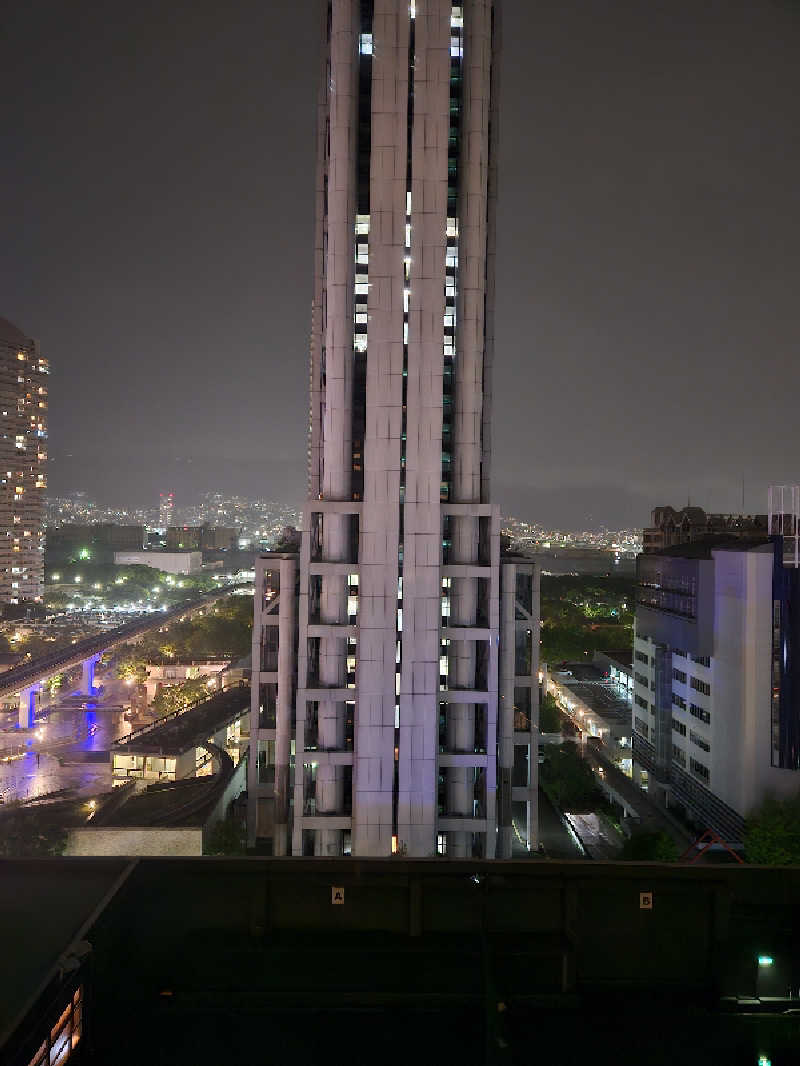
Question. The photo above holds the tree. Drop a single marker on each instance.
(772, 833)
(649, 847)
(225, 838)
(130, 664)
(568, 779)
(177, 697)
(549, 714)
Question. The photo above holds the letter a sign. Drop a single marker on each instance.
(337, 894)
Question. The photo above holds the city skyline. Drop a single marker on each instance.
(667, 263)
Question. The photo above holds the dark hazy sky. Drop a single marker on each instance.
(156, 215)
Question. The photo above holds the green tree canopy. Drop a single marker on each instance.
(225, 838)
(568, 779)
(772, 833)
(649, 847)
(549, 714)
(176, 697)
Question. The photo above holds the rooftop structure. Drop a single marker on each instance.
(691, 525)
(318, 953)
(599, 705)
(174, 747)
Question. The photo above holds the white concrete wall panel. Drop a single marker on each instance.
(419, 685)
(373, 772)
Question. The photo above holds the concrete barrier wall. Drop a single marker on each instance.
(133, 841)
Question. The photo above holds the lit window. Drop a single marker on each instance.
(408, 203)
(455, 47)
(360, 342)
(365, 44)
(412, 9)
(362, 224)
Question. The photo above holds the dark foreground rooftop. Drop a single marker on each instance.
(233, 960)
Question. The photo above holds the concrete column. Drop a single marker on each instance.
(373, 773)
(422, 523)
(87, 676)
(505, 732)
(468, 405)
(336, 447)
(284, 704)
(28, 705)
(332, 674)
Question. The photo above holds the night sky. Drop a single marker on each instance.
(157, 223)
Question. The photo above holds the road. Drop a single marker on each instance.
(652, 818)
(67, 749)
(558, 844)
(597, 841)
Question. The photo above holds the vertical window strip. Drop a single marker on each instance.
(451, 255)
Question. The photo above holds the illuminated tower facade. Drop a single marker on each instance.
(166, 510)
(388, 713)
(23, 455)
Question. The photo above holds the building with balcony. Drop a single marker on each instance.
(716, 699)
(24, 374)
(395, 646)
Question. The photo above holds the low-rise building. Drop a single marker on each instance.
(161, 675)
(170, 562)
(181, 744)
(202, 538)
(597, 705)
(97, 542)
(716, 703)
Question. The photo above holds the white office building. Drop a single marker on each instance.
(716, 702)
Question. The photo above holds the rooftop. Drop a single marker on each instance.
(702, 549)
(597, 692)
(179, 732)
(174, 803)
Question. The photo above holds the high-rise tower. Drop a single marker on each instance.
(23, 454)
(395, 683)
